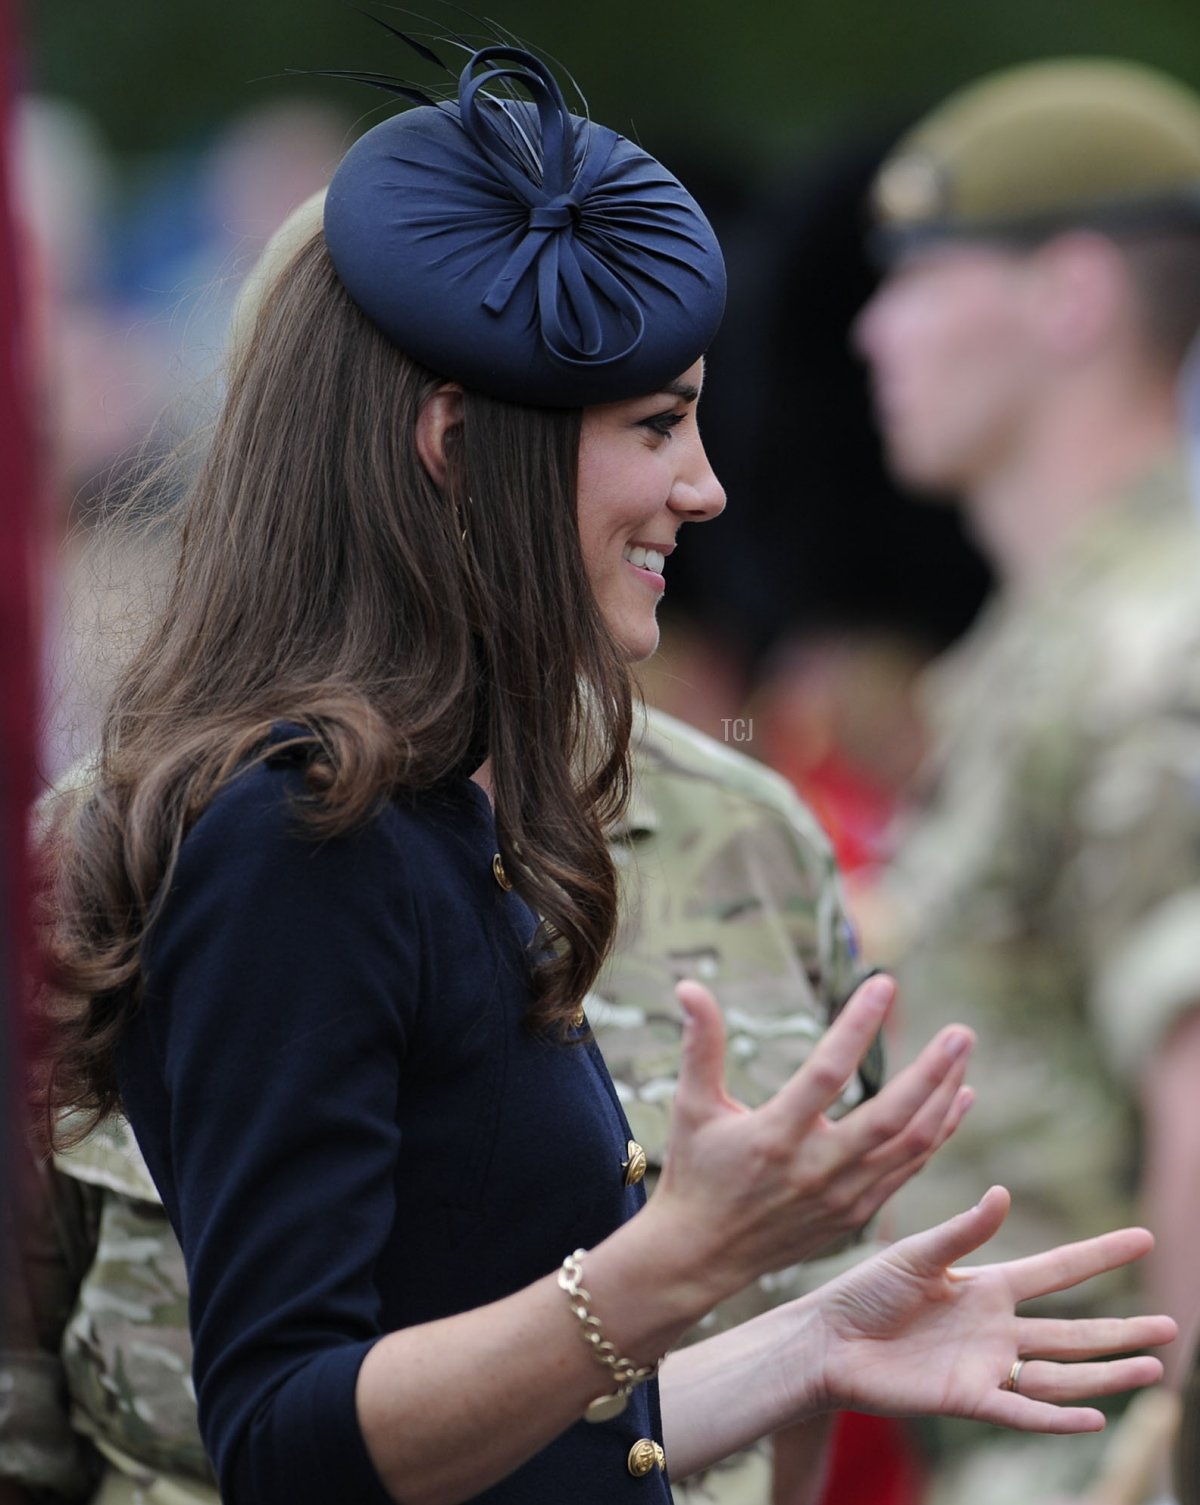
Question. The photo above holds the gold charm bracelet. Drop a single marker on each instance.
(624, 1372)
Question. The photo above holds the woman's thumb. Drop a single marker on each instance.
(702, 1068)
(939, 1248)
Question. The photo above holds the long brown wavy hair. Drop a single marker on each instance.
(322, 578)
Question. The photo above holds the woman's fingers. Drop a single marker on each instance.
(1070, 1264)
(910, 1127)
(883, 1172)
(915, 1101)
(959, 1109)
(1091, 1337)
(1039, 1274)
(877, 1192)
(836, 1055)
(701, 1084)
(1043, 1401)
(1005, 1409)
(1044, 1380)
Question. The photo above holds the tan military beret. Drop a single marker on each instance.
(1038, 148)
(298, 228)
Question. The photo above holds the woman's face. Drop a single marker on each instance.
(642, 473)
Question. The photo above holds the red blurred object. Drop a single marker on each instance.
(853, 808)
(837, 716)
(872, 1462)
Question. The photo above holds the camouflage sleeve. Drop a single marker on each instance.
(43, 1255)
(1137, 874)
(127, 1349)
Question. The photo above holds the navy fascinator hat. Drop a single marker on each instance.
(520, 249)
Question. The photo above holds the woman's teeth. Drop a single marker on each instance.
(646, 559)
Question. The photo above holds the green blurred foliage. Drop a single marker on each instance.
(743, 80)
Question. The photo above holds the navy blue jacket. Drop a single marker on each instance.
(353, 1131)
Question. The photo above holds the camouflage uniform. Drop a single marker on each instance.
(1050, 895)
(727, 878)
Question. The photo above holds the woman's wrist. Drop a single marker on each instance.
(753, 1380)
(624, 1375)
(789, 1356)
(800, 1353)
(649, 1285)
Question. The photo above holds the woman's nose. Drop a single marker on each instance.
(698, 495)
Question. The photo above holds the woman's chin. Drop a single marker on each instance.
(638, 646)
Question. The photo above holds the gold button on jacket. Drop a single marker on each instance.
(644, 1457)
(635, 1165)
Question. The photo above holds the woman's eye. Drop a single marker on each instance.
(662, 423)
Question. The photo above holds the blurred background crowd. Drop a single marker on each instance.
(157, 147)
(154, 149)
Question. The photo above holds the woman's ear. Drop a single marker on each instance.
(440, 413)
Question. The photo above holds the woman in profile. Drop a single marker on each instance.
(328, 915)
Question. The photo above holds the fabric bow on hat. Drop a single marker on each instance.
(565, 265)
(523, 250)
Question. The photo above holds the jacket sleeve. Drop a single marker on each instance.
(262, 1079)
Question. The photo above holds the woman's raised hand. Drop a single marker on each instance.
(907, 1333)
(760, 1190)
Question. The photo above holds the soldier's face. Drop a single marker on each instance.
(953, 366)
(643, 473)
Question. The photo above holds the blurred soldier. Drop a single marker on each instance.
(1042, 236)
(727, 878)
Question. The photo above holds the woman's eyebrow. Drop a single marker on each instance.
(682, 389)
